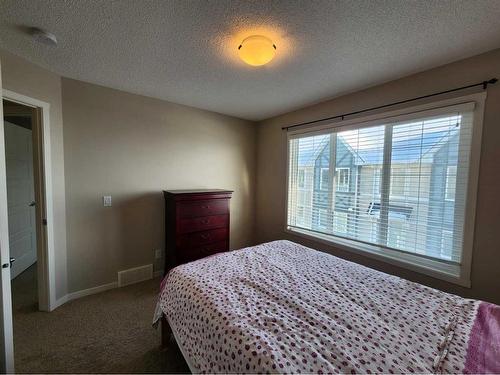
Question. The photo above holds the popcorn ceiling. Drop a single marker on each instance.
(186, 51)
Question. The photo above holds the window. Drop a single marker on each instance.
(302, 178)
(300, 215)
(398, 182)
(451, 181)
(446, 244)
(397, 233)
(343, 179)
(406, 179)
(376, 181)
(340, 222)
(323, 218)
(324, 178)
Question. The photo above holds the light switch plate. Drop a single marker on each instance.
(106, 201)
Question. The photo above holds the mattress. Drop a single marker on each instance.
(282, 307)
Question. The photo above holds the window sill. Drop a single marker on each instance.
(440, 270)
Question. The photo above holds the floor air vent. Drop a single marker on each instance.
(135, 275)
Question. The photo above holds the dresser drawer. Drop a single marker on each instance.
(196, 224)
(193, 253)
(202, 208)
(201, 238)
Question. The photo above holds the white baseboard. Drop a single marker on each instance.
(82, 293)
(87, 292)
(59, 302)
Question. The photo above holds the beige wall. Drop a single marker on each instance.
(132, 147)
(271, 168)
(27, 79)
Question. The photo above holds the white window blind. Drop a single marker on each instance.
(400, 184)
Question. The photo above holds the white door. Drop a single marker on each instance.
(20, 196)
(6, 336)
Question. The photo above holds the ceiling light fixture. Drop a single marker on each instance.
(257, 50)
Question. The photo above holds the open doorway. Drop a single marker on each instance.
(25, 112)
(25, 204)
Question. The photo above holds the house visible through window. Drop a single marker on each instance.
(451, 181)
(323, 218)
(324, 178)
(300, 215)
(396, 184)
(302, 178)
(343, 179)
(376, 181)
(446, 244)
(340, 222)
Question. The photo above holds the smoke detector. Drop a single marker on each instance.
(43, 36)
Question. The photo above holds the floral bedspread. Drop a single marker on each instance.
(282, 307)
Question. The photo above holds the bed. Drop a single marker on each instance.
(282, 307)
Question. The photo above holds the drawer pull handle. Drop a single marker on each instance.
(205, 235)
(206, 206)
(206, 221)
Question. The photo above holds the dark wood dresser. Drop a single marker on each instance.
(197, 224)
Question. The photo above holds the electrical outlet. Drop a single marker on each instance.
(106, 201)
(158, 254)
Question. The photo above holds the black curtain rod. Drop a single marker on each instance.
(484, 84)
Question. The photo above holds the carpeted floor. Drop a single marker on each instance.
(108, 332)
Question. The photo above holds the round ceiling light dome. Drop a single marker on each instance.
(257, 50)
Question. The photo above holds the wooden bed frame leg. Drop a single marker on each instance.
(166, 333)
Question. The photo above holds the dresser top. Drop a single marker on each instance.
(199, 191)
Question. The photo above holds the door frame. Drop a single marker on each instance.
(43, 196)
